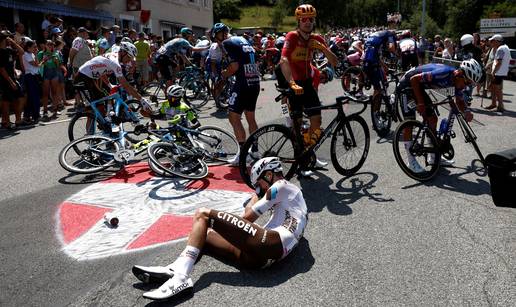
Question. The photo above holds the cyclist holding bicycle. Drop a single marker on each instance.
(100, 67)
(296, 58)
(238, 239)
(173, 54)
(435, 76)
(219, 33)
(374, 68)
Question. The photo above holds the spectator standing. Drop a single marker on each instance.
(132, 35)
(19, 33)
(142, 58)
(31, 80)
(488, 62)
(103, 41)
(10, 51)
(500, 70)
(51, 62)
(61, 74)
(448, 51)
(115, 31)
(80, 53)
(46, 22)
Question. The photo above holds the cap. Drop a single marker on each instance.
(83, 29)
(55, 30)
(496, 37)
(6, 33)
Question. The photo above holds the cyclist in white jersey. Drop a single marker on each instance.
(237, 238)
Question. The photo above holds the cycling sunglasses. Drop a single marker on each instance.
(307, 19)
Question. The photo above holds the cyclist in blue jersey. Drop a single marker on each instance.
(244, 94)
(374, 67)
(435, 76)
(170, 54)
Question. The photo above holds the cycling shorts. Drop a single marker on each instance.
(258, 245)
(375, 74)
(309, 99)
(92, 90)
(409, 59)
(164, 63)
(243, 98)
(408, 102)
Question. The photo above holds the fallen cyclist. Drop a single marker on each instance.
(237, 238)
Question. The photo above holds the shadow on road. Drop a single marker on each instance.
(86, 179)
(454, 182)
(506, 113)
(318, 193)
(299, 261)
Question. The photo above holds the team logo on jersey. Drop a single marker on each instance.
(152, 211)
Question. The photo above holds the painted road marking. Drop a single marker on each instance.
(152, 211)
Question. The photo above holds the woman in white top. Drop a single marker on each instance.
(31, 81)
(448, 52)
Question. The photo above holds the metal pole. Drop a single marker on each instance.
(398, 6)
(423, 13)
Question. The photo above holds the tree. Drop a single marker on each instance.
(414, 24)
(227, 9)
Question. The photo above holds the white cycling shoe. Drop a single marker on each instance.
(172, 287)
(306, 173)
(320, 163)
(235, 160)
(414, 166)
(444, 162)
(152, 274)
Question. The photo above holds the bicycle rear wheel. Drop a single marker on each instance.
(220, 144)
(350, 145)
(83, 124)
(197, 93)
(420, 147)
(177, 160)
(89, 154)
(352, 80)
(268, 141)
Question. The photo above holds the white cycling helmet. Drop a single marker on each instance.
(472, 70)
(175, 91)
(129, 48)
(466, 39)
(266, 164)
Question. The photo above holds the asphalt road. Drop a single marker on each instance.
(375, 239)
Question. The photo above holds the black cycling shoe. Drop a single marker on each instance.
(152, 274)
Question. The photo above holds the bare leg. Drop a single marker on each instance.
(251, 121)
(238, 128)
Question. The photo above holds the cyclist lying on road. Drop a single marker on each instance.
(238, 239)
(172, 108)
(435, 76)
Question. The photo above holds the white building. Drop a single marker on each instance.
(167, 17)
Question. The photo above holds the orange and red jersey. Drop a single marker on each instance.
(299, 55)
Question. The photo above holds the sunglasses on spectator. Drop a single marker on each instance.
(307, 19)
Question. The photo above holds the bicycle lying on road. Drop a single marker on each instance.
(349, 141)
(427, 147)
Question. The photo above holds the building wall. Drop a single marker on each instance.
(166, 15)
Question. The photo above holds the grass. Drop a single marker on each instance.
(260, 16)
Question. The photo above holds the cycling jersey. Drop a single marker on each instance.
(175, 46)
(288, 216)
(215, 53)
(299, 55)
(102, 65)
(407, 45)
(433, 76)
(374, 43)
(173, 114)
(202, 44)
(238, 50)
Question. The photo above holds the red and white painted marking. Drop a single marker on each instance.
(152, 210)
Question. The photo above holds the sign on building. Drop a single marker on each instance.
(504, 26)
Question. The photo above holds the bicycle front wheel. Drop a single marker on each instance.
(350, 145)
(177, 160)
(155, 92)
(89, 154)
(268, 141)
(352, 80)
(197, 93)
(416, 150)
(381, 116)
(220, 144)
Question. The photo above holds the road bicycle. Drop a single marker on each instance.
(427, 147)
(185, 152)
(349, 141)
(354, 81)
(103, 116)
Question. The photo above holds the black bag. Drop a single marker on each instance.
(501, 167)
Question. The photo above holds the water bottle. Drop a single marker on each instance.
(443, 126)
(392, 99)
(111, 219)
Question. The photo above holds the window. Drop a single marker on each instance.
(206, 3)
